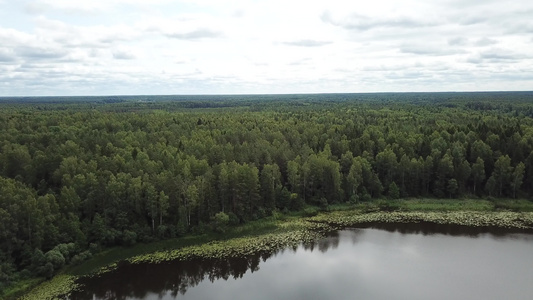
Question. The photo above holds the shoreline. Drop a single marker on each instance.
(290, 233)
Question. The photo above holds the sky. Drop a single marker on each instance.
(128, 47)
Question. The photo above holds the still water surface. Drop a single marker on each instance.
(400, 262)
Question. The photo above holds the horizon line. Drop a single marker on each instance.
(268, 94)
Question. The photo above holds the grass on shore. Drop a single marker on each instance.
(111, 255)
(427, 204)
(17, 289)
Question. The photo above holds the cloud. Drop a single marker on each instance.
(400, 66)
(26, 47)
(307, 43)
(6, 55)
(457, 41)
(299, 62)
(197, 34)
(360, 22)
(485, 42)
(428, 49)
(11, 37)
(502, 54)
(517, 76)
(94, 36)
(102, 46)
(68, 6)
(36, 8)
(474, 60)
(462, 41)
(519, 27)
(239, 13)
(40, 53)
(472, 20)
(86, 8)
(124, 54)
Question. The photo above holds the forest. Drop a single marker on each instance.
(80, 174)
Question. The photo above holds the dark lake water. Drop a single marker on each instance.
(379, 262)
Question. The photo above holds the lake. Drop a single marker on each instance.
(396, 261)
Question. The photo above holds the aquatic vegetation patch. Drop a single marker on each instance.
(58, 287)
(512, 220)
(237, 247)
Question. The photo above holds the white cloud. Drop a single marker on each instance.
(123, 54)
(458, 41)
(70, 7)
(200, 33)
(485, 42)
(307, 43)
(504, 54)
(357, 21)
(430, 50)
(243, 46)
(7, 55)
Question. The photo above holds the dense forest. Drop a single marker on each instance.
(81, 173)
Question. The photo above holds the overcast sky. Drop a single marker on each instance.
(118, 47)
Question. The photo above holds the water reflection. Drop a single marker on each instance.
(172, 278)
(428, 228)
(392, 261)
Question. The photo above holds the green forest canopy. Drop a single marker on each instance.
(79, 173)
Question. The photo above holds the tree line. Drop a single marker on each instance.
(75, 177)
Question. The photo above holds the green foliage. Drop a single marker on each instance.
(6, 272)
(310, 212)
(517, 177)
(384, 205)
(467, 218)
(233, 219)
(394, 191)
(296, 202)
(13, 291)
(47, 270)
(502, 173)
(81, 257)
(277, 215)
(129, 237)
(66, 250)
(57, 288)
(78, 175)
(452, 187)
(220, 222)
(252, 238)
(55, 258)
(478, 172)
